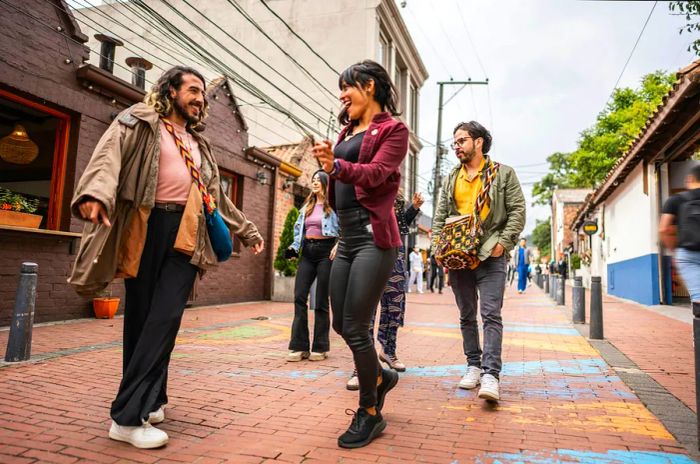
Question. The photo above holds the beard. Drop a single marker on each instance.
(177, 106)
(467, 156)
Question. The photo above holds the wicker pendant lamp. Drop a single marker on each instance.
(17, 148)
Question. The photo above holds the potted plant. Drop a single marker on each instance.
(104, 305)
(16, 210)
(283, 283)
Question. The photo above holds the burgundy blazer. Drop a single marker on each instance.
(376, 175)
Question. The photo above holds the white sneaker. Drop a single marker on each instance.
(145, 436)
(471, 379)
(156, 417)
(313, 356)
(489, 388)
(295, 356)
(354, 382)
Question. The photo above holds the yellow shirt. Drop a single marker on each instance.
(466, 191)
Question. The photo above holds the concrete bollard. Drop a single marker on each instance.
(579, 301)
(596, 327)
(561, 289)
(546, 284)
(19, 343)
(553, 288)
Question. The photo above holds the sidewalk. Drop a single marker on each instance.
(233, 398)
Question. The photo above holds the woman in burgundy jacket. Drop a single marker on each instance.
(364, 169)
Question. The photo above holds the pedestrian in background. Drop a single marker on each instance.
(521, 263)
(503, 217)
(148, 227)
(415, 260)
(679, 230)
(315, 233)
(437, 272)
(365, 178)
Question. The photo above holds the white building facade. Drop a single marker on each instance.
(625, 251)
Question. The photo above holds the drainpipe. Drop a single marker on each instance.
(271, 235)
(107, 51)
(661, 250)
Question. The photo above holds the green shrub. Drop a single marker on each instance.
(575, 261)
(287, 267)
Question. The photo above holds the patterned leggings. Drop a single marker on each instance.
(393, 306)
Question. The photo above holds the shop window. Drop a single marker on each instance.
(230, 186)
(33, 146)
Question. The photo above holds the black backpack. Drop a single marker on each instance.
(689, 222)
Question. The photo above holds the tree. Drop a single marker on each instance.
(602, 144)
(691, 10)
(542, 236)
(287, 267)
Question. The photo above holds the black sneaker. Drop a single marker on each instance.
(389, 380)
(363, 429)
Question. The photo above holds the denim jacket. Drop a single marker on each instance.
(329, 227)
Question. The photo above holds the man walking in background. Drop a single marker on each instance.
(679, 229)
(503, 216)
(521, 263)
(415, 260)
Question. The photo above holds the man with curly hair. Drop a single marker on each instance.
(145, 224)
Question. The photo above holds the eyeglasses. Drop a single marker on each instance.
(459, 142)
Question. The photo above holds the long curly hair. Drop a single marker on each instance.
(159, 96)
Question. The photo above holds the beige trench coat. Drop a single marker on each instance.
(122, 174)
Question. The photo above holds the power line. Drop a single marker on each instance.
(427, 38)
(469, 37)
(299, 37)
(141, 3)
(631, 53)
(279, 47)
(111, 19)
(195, 47)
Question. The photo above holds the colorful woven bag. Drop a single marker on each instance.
(460, 238)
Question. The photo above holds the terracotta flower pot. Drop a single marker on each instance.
(105, 308)
(16, 219)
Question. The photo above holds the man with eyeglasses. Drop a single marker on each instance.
(503, 219)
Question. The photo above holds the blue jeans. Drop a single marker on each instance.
(688, 265)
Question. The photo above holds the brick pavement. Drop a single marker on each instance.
(660, 345)
(233, 398)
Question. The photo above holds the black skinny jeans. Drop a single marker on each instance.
(358, 276)
(314, 263)
(155, 302)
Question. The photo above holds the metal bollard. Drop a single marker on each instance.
(578, 294)
(561, 289)
(696, 344)
(553, 288)
(546, 283)
(596, 328)
(19, 343)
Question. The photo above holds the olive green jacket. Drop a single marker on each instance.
(506, 219)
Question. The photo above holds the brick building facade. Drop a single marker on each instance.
(565, 206)
(66, 105)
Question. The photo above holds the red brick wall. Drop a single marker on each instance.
(32, 65)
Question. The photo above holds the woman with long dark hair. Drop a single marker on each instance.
(365, 178)
(315, 233)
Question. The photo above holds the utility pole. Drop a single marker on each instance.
(439, 149)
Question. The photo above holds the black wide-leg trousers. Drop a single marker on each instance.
(155, 302)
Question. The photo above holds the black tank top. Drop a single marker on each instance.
(348, 150)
